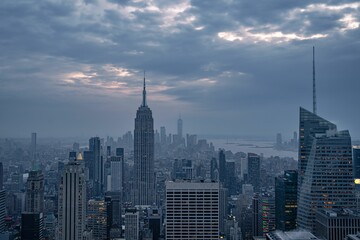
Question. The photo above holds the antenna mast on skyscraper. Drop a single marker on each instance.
(314, 84)
(144, 93)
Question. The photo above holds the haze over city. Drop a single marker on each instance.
(75, 68)
(178, 120)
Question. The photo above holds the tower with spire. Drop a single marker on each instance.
(144, 191)
(314, 83)
(180, 128)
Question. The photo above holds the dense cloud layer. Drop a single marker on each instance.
(74, 67)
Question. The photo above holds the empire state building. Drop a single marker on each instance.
(144, 154)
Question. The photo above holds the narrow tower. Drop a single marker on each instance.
(144, 154)
(180, 128)
(72, 201)
(314, 83)
(144, 94)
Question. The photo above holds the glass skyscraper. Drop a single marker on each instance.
(325, 168)
(356, 162)
(286, 200)
(254, 171)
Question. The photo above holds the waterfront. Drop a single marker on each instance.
(254, 146)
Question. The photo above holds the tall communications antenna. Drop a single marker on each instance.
(314, 84)
(144, 93)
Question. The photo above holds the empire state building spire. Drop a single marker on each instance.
(144, 189)
(314, 83)
(144, 94)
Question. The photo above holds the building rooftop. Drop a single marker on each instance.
(333, 213)
(291, 235)
(191, 185)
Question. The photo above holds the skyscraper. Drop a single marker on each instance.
(214, 172)
(32, 226)
(255, 215)
(182, 169)
(97, 218)
(72, 202)
(254, 171)
(132, 224)
(267, 213)
(230, 179)
(144, 154)
(286, 200)
(180, 128)
(309, 125)
(222, 166)
(32, 219)
(326, 171)
(113, 212)
(34, 198)
(356, 162)
(163, 136)
(1, 176)
(2, 210)
(98, 170)
(117, 173)
(192, 210)
(334, 224)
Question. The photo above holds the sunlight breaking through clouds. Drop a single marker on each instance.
(325, 7)
(99, 81)
(276, 33)
(202, 82)
(118, 71)
(349, 22)
(272, 37)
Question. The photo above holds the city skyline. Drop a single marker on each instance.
(248, 64)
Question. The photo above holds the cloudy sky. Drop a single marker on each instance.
(236, 67)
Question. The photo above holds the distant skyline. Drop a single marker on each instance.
(75, 68)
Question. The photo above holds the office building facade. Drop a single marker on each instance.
(34, 195)
(32, 226)
(132, 224)
(192, 210)
(97, 166)
(254, 171)
(286, 200)
(117, 173)
(97, 218)
(334, 224)
(72, 202)
(325, 169)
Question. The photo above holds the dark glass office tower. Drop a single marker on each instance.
(286, 200)
(326, 170)
(32, 226)
(98, 167)
(1, 176)
(144, 154)
(356, 162)
(254, 171)
(222, 166)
